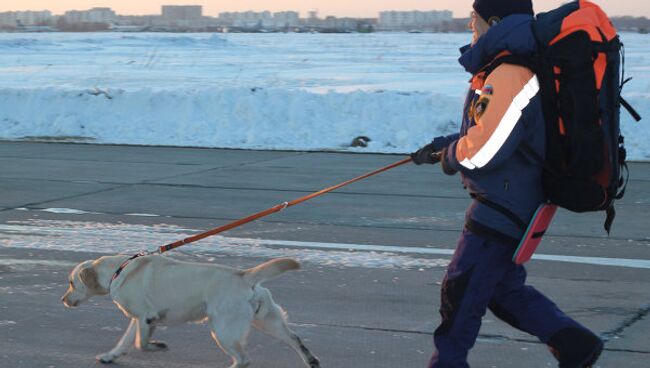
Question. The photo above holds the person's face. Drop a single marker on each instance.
(477, 25)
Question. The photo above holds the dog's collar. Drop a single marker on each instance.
(123, 266)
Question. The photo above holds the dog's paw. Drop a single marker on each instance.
(245, 364)
(314, 363)
(156, 346)
(105, 358)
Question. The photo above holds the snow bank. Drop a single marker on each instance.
(253, 118)
(231, 117)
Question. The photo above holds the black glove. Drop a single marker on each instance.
(425, 155)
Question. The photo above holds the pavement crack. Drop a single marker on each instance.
(368, 328)
(199, 186)
(416, 332)
(36, 204)
(98, 160)
(218, 168)
(628, 322)
(485, 337)
(126, 185)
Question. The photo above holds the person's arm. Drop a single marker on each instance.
(499, 127)
(444, 141)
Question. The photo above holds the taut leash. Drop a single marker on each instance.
(276, 208)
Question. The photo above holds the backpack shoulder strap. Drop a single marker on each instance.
(525, 61)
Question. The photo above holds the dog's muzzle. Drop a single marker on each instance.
(68, 304)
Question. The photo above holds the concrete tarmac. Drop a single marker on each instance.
(64, 203)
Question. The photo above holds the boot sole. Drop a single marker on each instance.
(589, 362)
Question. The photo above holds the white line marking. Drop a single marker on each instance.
(598, 261)
(358, 247)
(67, 211)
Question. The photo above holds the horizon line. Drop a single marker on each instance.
(279, 11)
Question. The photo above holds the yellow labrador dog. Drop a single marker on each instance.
(155, 290)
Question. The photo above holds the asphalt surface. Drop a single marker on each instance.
(374, 314)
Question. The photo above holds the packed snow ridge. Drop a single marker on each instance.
(230, 118)
(253, 91)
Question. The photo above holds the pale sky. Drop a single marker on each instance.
(368, 8)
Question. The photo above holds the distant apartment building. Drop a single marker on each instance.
(341, 24)
(247, 19)
(265, 19)
(286, 19)
(94, 15)
(420, 20)
(182, 12)
(25, 18)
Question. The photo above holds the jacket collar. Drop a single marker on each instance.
(513, 34)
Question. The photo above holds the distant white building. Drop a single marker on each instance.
(247, 19)
(405, 20)
(94, 15)
(343, 24)
(182, 12)
(26, 18)
(286, 19)
(265, 19)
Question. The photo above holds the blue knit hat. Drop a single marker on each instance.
(493, 11)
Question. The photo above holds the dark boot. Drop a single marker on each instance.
(575, 347)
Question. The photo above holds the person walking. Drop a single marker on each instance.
(502, 111)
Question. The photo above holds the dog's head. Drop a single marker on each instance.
(83, 284)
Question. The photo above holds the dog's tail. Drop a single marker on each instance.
(269, 270)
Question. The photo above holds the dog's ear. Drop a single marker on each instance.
(89, 277)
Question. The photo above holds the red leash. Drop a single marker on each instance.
(276, 208)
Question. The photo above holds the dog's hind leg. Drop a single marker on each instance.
(230, 330)
(145, 329)
(120, 349)
(271, 319)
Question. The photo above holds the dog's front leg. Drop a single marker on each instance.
(144, 331)
(120, 349)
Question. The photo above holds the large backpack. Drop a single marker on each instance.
(580, 66)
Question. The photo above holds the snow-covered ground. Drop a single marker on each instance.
(267, 91)
(99, 237)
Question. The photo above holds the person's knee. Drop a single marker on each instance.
(452, 294)
(504, 314)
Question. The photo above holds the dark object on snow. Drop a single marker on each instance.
(361, 141)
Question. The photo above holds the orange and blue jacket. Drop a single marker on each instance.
(502, 110)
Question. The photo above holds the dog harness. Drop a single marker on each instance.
(123, 266)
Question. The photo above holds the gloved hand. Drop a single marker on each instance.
(426, 155)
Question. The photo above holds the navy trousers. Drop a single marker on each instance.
(482, 275)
